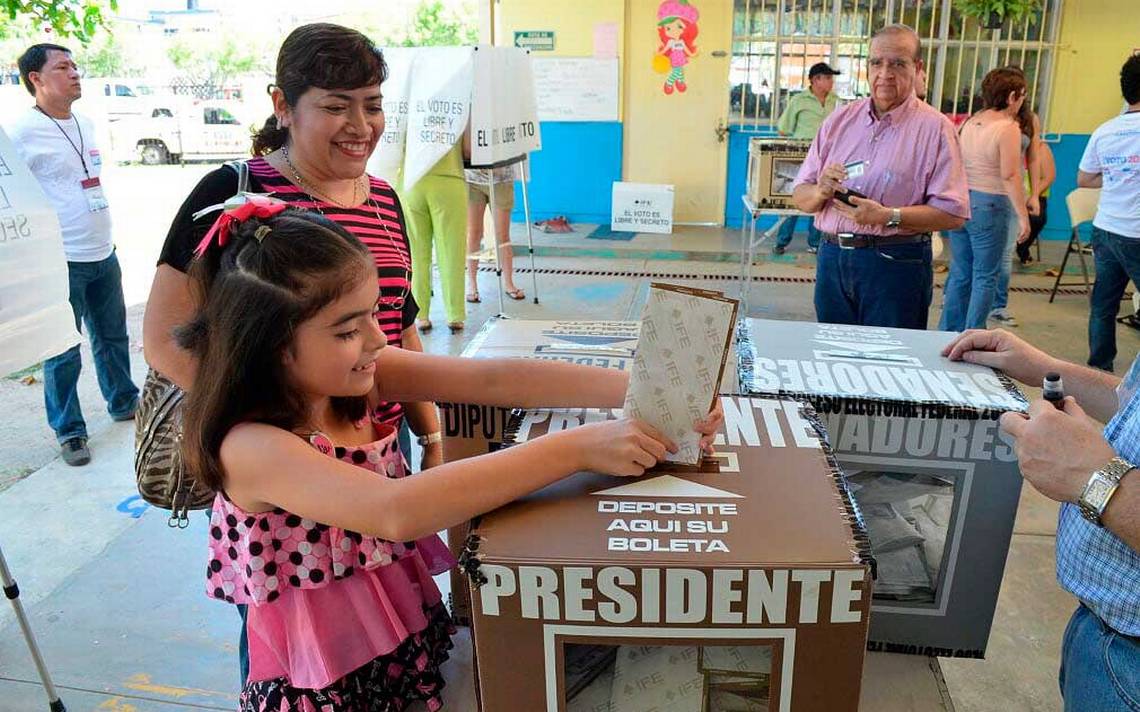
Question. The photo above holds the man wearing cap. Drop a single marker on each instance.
(801, 120)
(882, 174)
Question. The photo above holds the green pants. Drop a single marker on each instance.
(436, 209)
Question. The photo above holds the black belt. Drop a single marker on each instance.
(853, 240)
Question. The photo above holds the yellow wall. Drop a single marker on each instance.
(572, 23)
(1096, 37)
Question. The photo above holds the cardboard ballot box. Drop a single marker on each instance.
(744, 585)
(935, 480)
(773, 164)
(471, 430)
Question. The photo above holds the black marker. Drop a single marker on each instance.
(1053, 390)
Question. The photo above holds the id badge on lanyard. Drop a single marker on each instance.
(93, 191)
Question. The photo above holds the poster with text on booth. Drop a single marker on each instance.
(679, 363)
(36, 320)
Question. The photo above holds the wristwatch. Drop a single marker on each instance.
(896, 218)
(1101, 486)
(430, 439)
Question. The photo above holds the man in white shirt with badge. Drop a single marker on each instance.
(1112, 163)
(60, 150)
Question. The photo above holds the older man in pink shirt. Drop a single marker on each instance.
(883, 173)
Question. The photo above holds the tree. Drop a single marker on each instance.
(209, 66)
(107, 57)
(432, 25)
(80, 19)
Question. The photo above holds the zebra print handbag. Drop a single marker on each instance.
(159, 469)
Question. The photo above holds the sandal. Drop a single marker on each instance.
(516, 294)
(424, 325)
(473, 297)
(455, 326)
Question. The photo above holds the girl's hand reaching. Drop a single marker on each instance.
(626, 448)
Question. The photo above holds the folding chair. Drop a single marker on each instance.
(1082, 204)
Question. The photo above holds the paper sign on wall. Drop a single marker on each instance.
(606, 40)
(36, 320)
(576, 88)
(538, 40)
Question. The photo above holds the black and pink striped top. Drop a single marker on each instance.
(378, 223)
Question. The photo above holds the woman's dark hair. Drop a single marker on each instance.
(1025, 113)
(254, 293)
(999, 83)
(325, 56)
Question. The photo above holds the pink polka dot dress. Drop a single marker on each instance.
(337, 620)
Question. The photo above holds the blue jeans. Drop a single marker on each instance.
(96, 295)
(788, 229)
(1001, 295)
(1100, 668)
(976, 251)
(404, 438)
(243, 645)
(874, 286)
(1117, 260)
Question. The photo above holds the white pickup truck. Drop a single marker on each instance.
(202, 130)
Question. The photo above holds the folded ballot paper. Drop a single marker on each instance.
(646, 678)
(680, 359)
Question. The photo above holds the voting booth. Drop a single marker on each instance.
(743, 586)
(935, 479)
(36, 319)
(434, 94)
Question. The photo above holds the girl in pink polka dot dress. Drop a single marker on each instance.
(315, 525)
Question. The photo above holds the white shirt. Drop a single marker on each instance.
(1114, 151)
(56, 164)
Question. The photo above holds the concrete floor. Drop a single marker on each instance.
(116, 597)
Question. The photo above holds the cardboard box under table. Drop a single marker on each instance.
(471, 430)
(935, 480)
(743, 584)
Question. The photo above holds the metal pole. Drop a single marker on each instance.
(529, 234)
(498, 245)
(12, 592)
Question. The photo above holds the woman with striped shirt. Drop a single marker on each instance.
(327, 119)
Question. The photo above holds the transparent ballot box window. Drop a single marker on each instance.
(910, 521)
(666, 678)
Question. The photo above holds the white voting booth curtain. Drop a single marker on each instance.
(36, 321)
(432, 92)
(504, 116)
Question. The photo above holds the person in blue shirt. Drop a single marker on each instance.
(1069, 457)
